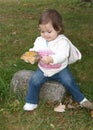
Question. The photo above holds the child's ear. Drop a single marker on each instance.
(59, 30)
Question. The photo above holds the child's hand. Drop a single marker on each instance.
(47, 59)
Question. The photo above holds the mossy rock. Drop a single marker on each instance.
(51, 91)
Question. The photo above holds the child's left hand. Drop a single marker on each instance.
(47, 59)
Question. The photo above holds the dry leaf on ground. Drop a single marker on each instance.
(60, 108)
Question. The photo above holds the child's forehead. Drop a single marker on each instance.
(47, 25)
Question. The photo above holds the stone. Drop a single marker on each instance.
(50, 91)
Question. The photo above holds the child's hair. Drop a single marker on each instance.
(51, 15)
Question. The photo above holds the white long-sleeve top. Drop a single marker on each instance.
(58, 49)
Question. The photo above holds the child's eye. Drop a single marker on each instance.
(42, 31)
(49, 31)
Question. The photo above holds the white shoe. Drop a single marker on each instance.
(87, 104)
(29, 107)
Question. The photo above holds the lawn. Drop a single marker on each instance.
(18, 30)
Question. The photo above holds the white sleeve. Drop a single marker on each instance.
(61, 52)
(35, 47)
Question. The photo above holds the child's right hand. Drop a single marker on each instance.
(47, 59)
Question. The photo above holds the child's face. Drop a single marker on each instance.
(47, 31)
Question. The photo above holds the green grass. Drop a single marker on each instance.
(18, 30)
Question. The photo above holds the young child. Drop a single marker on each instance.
(53, 64)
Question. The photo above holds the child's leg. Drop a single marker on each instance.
(35, 84)
(67, 80)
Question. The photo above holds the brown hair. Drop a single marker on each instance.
(51, 15)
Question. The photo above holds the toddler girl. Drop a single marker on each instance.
(53, 49)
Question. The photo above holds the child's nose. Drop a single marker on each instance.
(45, 33)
